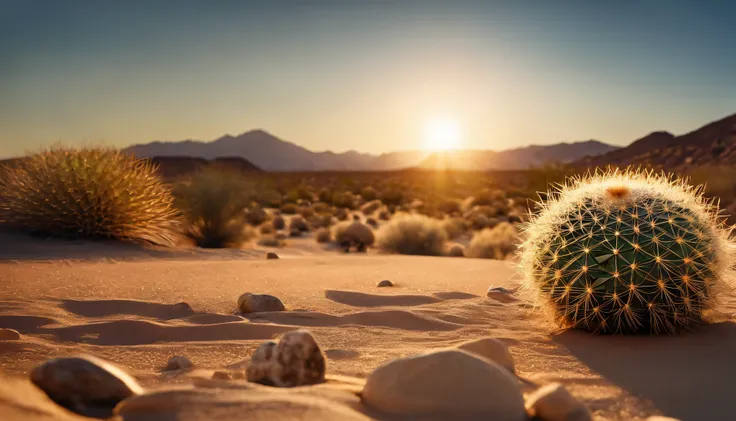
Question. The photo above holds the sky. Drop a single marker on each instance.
(366, 75)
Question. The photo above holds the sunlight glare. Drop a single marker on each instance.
(441, 134)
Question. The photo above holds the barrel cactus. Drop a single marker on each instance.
(627, 252)
(97, 193)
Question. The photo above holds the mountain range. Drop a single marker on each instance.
(273, 154)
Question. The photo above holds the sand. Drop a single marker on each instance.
(138, 307)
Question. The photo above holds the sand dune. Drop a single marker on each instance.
(140, 312)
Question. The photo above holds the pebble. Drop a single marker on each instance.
(178, 362)
(450, 382)
(81, 382)
(296, 360)
(492, 349)
(501, 294)
(254, 303)
(9, 334)
(385, 283)
(553, 402)
(271, 256)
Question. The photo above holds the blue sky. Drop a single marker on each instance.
(364, 75)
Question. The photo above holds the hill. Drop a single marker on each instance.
(513, 159)
(712, 144)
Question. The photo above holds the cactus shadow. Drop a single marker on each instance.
(690, 376)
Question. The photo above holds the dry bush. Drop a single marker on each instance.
(496, 243)
(323, 235)
(322, 208)
(266, 229)
(371, 207)
(455, 250)
(298, 223)
(295, 232)
(213, 204)
(341, 214)
(271, 240)
(89, 192)
(450, 206)
(372, 223)
(369, 193)
(384, 215)
(412, 234)
(455, 227)
(289, 209)
(306, 212)
(256, 216)
(353, 234)
(320, 221)
(278, 222)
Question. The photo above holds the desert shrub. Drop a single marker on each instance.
(372, 223)
(256, 216)
(306, 212)
(298, 223)
(295, 232)
(271, 240)
(450, 206)
(392, 197)
(384, 215)
(412, 234)
(289, 208)
(320, 221)
(350, 234)
(455, 227)
(341, 214)
(368, 194)
(371, 207)
(323, 235)
(325, 196)
(495, 243)
(266, 229)
(343, 200)
(456, 250)
(89, 192)
(213, 204)
(321, 208)
(278, 222)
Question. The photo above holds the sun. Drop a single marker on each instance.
(441, 134)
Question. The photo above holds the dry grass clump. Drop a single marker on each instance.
(297, 223)
(341, 214)
(371, 207)
(278, 222)
(256, 216)
(496, 243)
(455, 227)
(212, 204)
(412, 234)
(289, 208)
(306, 211)
(320, 221)
(323, 235)
(455, 250)
(89, 193)
(384, 215)
(271, 240)
(355, 234)
(266, 229)
(372, 222)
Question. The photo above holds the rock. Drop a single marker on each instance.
(497, 289)
(553, 402)
(501, 294)
(449, 382)
(296, 360)
(492, 349)
(9, 334)
(254, 303)
(84, 382)
(178, 362)
(271, 256)
(385, 283)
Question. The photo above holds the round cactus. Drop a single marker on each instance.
(89, 192)
(626, 252)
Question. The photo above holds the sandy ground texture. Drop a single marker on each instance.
(136, 308)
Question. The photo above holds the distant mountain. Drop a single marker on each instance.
(273, 154)
(514, 159)
(712, 144)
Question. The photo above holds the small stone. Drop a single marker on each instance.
(83, 382)
(255, 303)
(9, 334)
(451, 383)
(385, 283)
(178, 362)
(492, 349)
(271, 256)
(296, 360)
(501, 294)
(553, 402)
(497, 289)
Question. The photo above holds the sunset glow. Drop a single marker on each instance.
(441, 134)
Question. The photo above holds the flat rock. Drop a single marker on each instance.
(84, 382)
(553, 402)
(254, 303)
(271, 256)
(449, 382)
(9, 334)
(178, 362)
(492, 349)
(296, 360)
(384, 283)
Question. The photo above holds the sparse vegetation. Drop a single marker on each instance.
(494, 243)
(412, 234)
(297, 223)
(95, 193)
(278, 222)
(456, 250)
(371, 207)
(323, 235)
(353, 234)
(271, 240)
